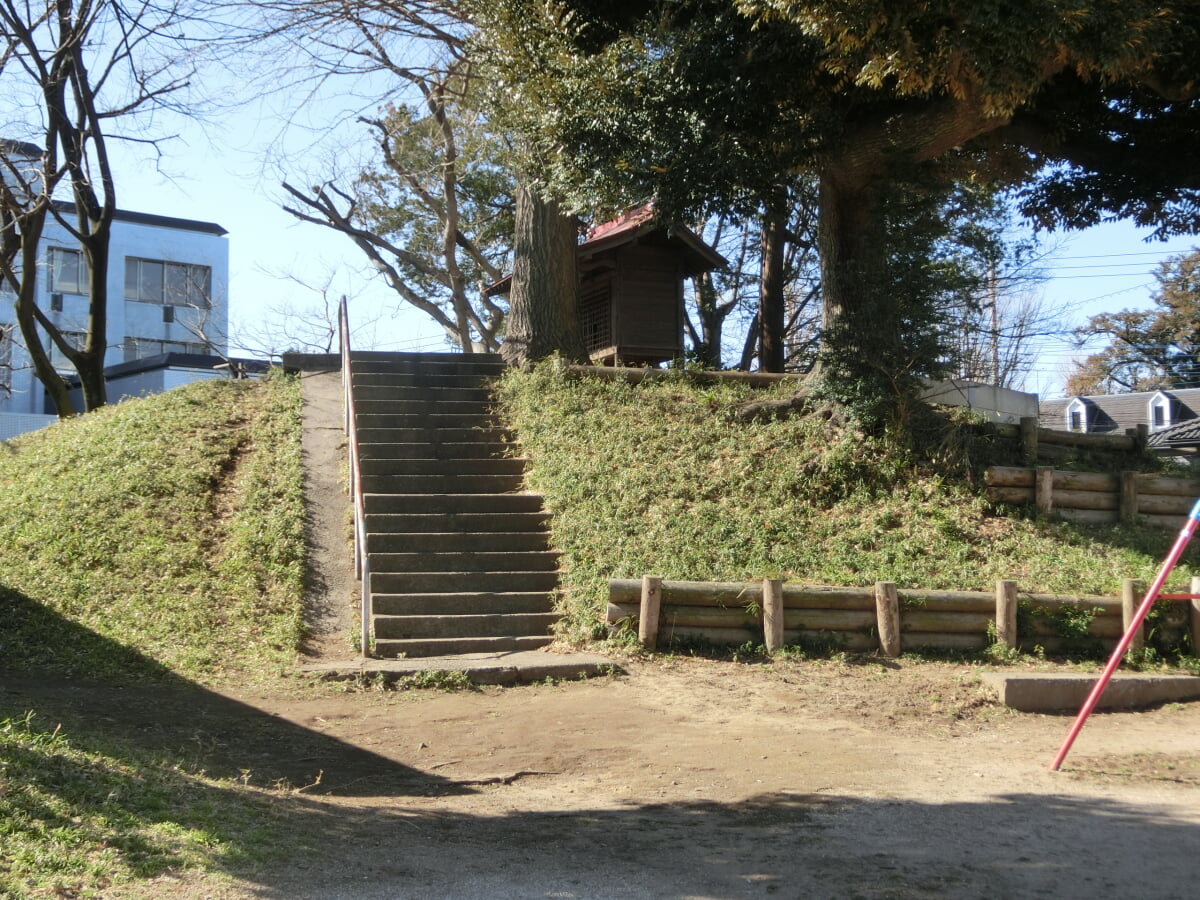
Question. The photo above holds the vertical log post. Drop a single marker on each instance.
(1129, 496)
(648, 613)
(1131, 599)
(1141, 437)
(1195, 616)
(1006, 614)
(887, 615)
(772, 607)
(1029, 439)
(1044, 489)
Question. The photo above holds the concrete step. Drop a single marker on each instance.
(442, 450)
(449, 542)
(372, 391)
(462, 582)
(385, 524)
(464, 626)
(392, 649)
(464, 561)
(462, 604)
(423, 356)
(510, 465)
(442, 484)
(375, 421)
(424, 405)
(447, 365)
(417, 380)
(492, 436)
(425, 504)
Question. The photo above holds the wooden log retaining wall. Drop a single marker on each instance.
(1052, 444)
(886, 619)
(1096, 497)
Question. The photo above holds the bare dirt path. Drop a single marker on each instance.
(697, 779)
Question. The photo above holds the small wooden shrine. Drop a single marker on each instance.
(631, 274)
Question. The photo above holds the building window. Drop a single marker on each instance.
(1160, 412)
(1077, 417)
(173, 284)
(58, 359)
(143, 348)
(68, 271)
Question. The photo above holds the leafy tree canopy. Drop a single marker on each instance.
(1148, 349)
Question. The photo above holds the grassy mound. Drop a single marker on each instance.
(660, 478)
(161, 534)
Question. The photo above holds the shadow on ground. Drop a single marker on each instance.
(811, 846)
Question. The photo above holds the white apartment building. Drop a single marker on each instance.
(168, 293)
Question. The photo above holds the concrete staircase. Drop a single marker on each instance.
(459, 559)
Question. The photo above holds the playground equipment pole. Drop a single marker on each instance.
(1185, 535)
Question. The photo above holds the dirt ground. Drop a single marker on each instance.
(684, 779)
(691, 778)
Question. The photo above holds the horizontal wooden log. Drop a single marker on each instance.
(1161, 484)
(949, 601)
(1167, 523)
(851, 641)
(1054, 453)
(1008, 494)
(696, 593)
(1055, 646)
(1087, 441)
(1101, 627)
(931, 640)
(1008, 476)
(742, 594)
(708, 616)
(1165, 505)
(1110, 606)
(640, 374)
(828, 619)
(1086, 500)
(679, 616)
(720, 636)
(1088, 516)
(912, 621)
(1014, 476)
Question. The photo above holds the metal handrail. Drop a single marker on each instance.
(362, 566)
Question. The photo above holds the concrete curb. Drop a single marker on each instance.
(1066, 692)
(521, 667)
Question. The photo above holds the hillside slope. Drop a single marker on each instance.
(660, 478)
(160, 533)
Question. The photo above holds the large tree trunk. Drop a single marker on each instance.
(543, 315)
(711, 317)
(90, 363)
(771, 314)
(854, 320)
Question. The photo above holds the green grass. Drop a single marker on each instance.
(82, 819)
(156, 543)
(171, 524)
(660, 479)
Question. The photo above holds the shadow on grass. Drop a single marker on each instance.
(46, 664)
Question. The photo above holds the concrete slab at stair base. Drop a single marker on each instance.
(1055, 692)
(506, 667)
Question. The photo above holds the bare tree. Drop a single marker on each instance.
(74, 68)
(305, 328)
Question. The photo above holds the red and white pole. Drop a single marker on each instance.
(1181, 542)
